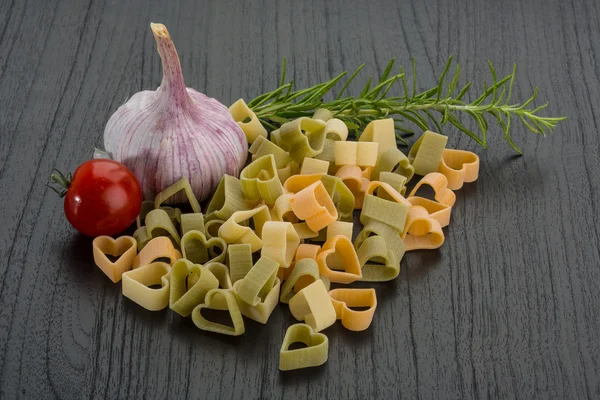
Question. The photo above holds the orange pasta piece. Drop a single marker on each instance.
(313, 205)
(296, 183)
(354, 320)
(124, 247)
(352, 176)
(422, 231)
(459, 166)
(342, 248)
(439, 183)
(159, 247)
(437, 211)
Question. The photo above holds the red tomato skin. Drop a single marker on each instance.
(104, 198)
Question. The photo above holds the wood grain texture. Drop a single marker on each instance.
(508, 308)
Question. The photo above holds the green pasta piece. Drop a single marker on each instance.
(196, 248)
(262, 146)
(211, 228)
(182, 184)
(385, 211)
(378, 263)
(142, 237)
(239, 260)
(328, 154)
(303, 137)
(341, 195)
(174, 214)
(221, 272)
(220, 297)
(275, 137)
(393, 160)
(189, 285)
(396, 181)
(192, 222)
(147, 206)
(227, 199)
(315, 354)
(425, 155)
(260, 180)
(158, 223)
(258, 282)
(305, 272)
(391, 235)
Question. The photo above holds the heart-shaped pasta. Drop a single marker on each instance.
(124, 247)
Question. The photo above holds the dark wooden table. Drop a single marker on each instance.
(509, 307)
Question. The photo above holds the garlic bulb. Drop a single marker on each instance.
(175, 131)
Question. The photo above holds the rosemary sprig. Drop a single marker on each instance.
(437, 106)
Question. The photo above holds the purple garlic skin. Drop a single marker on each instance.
(175, 131)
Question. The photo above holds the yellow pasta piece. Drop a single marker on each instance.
(381, 131)
(340, 228)
(160, 247)
(437, 211)
(232, 232)
(137, 284)
(159, 224)
(305, 272)
(280, 242)
(378, 262)
(240, 260)
(220, 297)
(313, 306)
(227, 199)
(303, 137)
(258, 282)
(212, 228)
(354, 320)
(422, 231)
(282, 210)
(396, 181)
(459, 166)
(363, 154)
(192, 222)
(221, 272)
(263, 310)
(247, 121)
(274, 137)
(189, 285)
(172, 192)
(425, 155)
(353, 178)
(260, 180)
(336, 129)
(124, 247)
(341, 247)
(439, 183)
(200, 250)
(315, 354)
(314, 166)
(262, 146)
(393, 160)
(313, 205)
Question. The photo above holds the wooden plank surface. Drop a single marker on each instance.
(508, 308)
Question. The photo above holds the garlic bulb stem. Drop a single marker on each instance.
(173, 84)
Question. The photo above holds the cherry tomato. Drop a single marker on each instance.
(102, 198)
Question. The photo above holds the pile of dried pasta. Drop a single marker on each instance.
(283, 231)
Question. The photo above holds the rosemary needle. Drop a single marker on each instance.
(437, 106)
